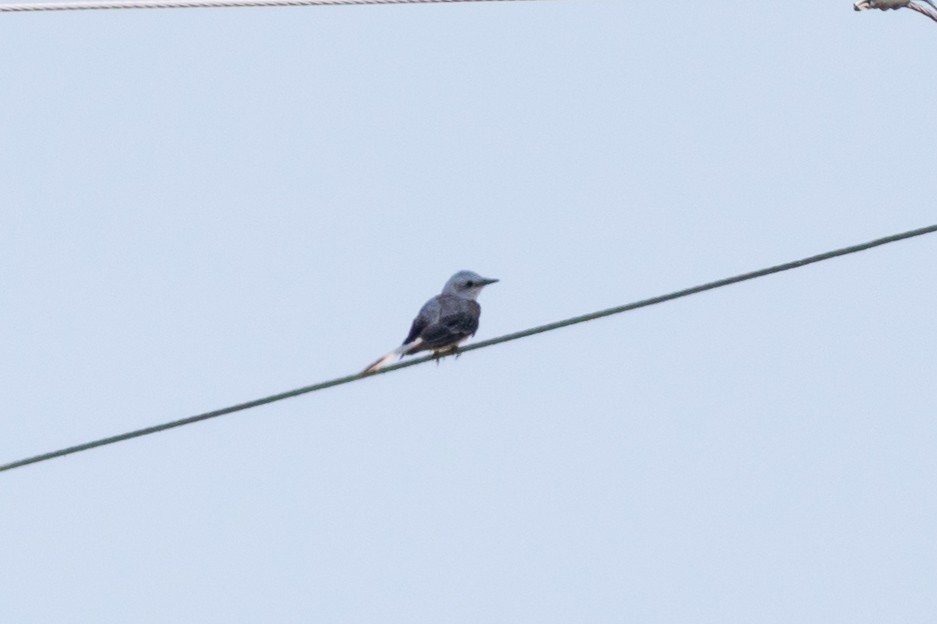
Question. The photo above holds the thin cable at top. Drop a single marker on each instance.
(778, 268)
(89, 5)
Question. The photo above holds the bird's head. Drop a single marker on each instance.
(466, 284)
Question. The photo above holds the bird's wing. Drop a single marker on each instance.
(458, 319)
(428, 315)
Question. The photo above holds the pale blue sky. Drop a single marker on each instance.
(203, 207)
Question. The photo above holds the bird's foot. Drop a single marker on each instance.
(441, 353)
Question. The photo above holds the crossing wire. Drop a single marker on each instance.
(787, 266)
(89, 5)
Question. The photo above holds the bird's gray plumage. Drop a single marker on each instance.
(444, 321)
(928, 8)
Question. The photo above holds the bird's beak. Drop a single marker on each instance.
(488, 280)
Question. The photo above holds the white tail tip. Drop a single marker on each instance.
(384, 360)
(380, 363)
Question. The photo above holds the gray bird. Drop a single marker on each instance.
(444, 321)
(928, 8)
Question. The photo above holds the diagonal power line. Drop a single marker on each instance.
(89, 5)
(787, 266)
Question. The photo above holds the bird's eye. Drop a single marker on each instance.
(470, 283)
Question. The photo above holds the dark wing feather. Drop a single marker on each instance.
(428, 315)
(450, 330)
(444, 322)
(419, 324)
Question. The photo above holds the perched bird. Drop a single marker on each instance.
(925, 7)
(444, 321)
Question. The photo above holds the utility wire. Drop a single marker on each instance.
(796, 264)
(88, 5)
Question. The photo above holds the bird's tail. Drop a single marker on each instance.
(387, 358)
